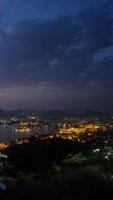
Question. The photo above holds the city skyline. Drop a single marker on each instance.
(56, 54)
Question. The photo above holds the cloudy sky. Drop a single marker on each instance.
(56, 54)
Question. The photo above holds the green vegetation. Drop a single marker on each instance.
(75, 161)
(58, 169)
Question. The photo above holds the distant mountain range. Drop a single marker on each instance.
(4, 113)
(21, 112)
(93, 113)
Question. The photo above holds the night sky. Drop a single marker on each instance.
(56, 54)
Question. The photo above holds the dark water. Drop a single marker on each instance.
(8, 133)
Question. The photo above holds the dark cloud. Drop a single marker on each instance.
(68, 54)
(103, 71)
(30, 46)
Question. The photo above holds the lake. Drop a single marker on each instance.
(8, 133)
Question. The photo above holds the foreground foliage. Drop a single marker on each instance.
(58, 169)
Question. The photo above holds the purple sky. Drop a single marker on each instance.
(56, 54)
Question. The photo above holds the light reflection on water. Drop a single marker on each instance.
(8, 133)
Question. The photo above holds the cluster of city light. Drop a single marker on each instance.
(3, 146)
(25, 126)
(22, 129)
(75, 132)
(82, 129)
